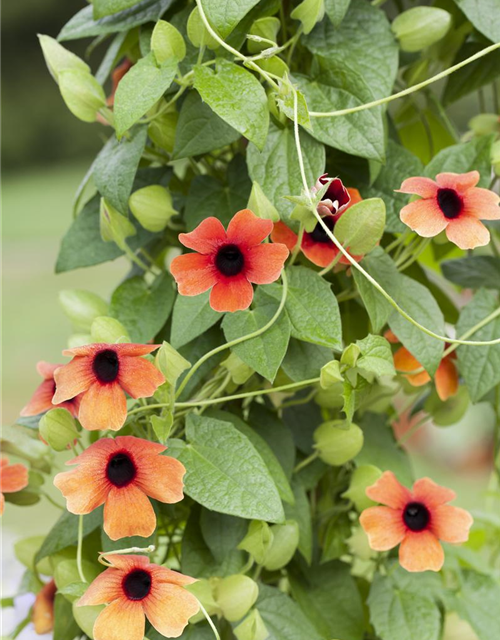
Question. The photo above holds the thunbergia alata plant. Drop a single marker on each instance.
(293, 206)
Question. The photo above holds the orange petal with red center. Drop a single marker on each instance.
(482, 203)
(128, 512)
(354, 195)
(125, 563)
(168, 607)
(13, 477)
(388, 490)
(265, 262)
(446, 379)
(160, 477)
(460, 182)
(248, 229)
(138, 377)
(103, 406)
(206, 238)
(43, 609)
(391, 337)
(231, 294)
(73, 378)
(139, 446)
(467, 232)
(104, 589)
(46, 369)
(451, 524)
(425, 217)
(123, 619)
(194, 273)
(132, 349)
(404, 361)
(96, 454)
(284, 235)
(383, 526)
(431, 494)
(85, 488)
(421, 551)
(319, 253)
(41, 400)
(423, 187)
(163, 575)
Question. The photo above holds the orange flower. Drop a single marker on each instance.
(13, 477)
(452, 202)
(121, 473)
(41, 400)
(228, 262)
(317, 246)
(134, 589)
(101, 373)
(43, 609)
(417, 519)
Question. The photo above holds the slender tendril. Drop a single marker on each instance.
(79, 550)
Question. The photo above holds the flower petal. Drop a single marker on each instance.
(207, 236)
(424, 217)
(119, 620)
(128, 512)
(421, 552)
(165, 575)
(104, 589)
(46, 369)
(460, 182)
(194, 273)
(41, 400)
(132, 349)
(451, 524)
(231, 294)
(319, 253)
(85, 488)
(354, 195)
(43, 609)
(103, 406)
(446, 379)
(383, 526)
(160, 477)
(482, 203)
(404, 361)
(265, 262)
(125, 563)
(139, 446)
(431, 494)
(467, 232)
(248, 229)
(73, 378)
(138, 377)
(283, 234)
(423, 187)
(388, 490)
(169, 607)
(13, 477)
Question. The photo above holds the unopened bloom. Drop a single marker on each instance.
(122, 473)
(416, 519)
(135, 589)
(43, 609)
(228, 262)
(13, 477)
(41, 400)
(317, 245)
(102, 373)
(452, 202)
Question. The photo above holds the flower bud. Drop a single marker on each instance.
(204, 590)
(495, 157)
(109, 330)
(350, 355)
(330, 374)
(162, 130)
(114, 227)
(337, 442)
(485, 123)
(82, 307)
(284, 544)
(420, 27)
(197, 32)
(82, 94)
(252, 628)
(167, 42)
(240, 372)
(258, 540)
(170, 363)
(152, 206)
(260, 205)
(363, 477)
(331, 398)
(58, 58)
(236, 595)
(266, 28)
(58, 428)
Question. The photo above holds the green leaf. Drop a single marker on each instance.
(225, 473)
(221, 532)
(336, 10)
(143, 309)
(58, 59)
(265, 352)
(224, 15)
(477, 602)
(267, 424)
(276, 167)
(464, 157)
(304, 360)
(191, 317)
(480, 366)
(65, 532)
(381, 267)
(301, 513)
(64, 624)
(237, 97)
(484, 15)
(82, 94)
(474, 75)
(140, 89)
(200, 130)
(116, 165)
(283, 619)
(104, 8)
(361, 226)
(376, 356)
(419, 303)
(193, 351)
(328, 595)
(309, 12)
(473, 272)
(167, 42)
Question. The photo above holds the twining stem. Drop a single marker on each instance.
(209, 620)
(79, 549)
(149, 549)
(306, 461)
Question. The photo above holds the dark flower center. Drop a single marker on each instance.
(319, 234)
(416, 516)
(106, 365)
(229, 260)
(137, 584)
(121, 470)
(450, 203)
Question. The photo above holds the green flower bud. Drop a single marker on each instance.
(257, 541)
(85, 617)
(420, 27)
(82, 307)
(197, 32)
(252, 628)
(350, 355)
(331, 398)
(162, 130)
(260, 205)
(58, 58)
(495, 157)
(170, 363)
(204, 591)
(363, 477)
(110, 330)
(167, 42)
(337, 443)
(330, 374)
(82, 94)
(114, 227)
(284, 544)
(58, 428)
(240, 372)
(265, 28)
(236, 595)
(485, 123)
(152, 206)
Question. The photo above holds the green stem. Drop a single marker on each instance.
(79, 549)
(209, 620)
(306, 461)
(332, 264)
(298, 246)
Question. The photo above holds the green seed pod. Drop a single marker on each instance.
(363, 477)
(485, 123)
(82, 94)
(204, 590)
(421, 27)
(82, 307)
(260, 205)
(338, 443)
(170, 362)
(258, 540)
(152, 206)
(252, 627)
(197, 32)
(265, 28)
(110, 330)
(330, 374)
(167, 42)
(114, 226)
(58, 58)
(284, 544)
(58, 428)
(240, 372)
(331, 398)
(236, 595)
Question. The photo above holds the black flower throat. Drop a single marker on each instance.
(319, 234)
(137, 584)
(230, 260)
(106, 365)
(450, 203)
(416, 516)
(121, 470)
